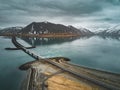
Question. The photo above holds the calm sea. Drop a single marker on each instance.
(94, 52)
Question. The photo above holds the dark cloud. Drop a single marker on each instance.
(87, 13)
(71, 7)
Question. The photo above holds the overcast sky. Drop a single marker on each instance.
(91, 14)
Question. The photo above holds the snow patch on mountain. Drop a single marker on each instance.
(114, 31)
(11, 30)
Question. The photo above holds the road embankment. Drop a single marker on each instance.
(44, 76)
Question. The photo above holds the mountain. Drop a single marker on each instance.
(114, 31)
(85, 31)
(13, 30)
(47, 28)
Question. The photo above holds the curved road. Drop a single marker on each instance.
(97, 82)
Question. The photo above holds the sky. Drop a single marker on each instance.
(90, 14)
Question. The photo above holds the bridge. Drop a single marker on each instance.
(68, 70)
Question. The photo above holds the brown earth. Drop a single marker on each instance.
(61, 83)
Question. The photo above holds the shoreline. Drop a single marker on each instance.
(57, 35)
(67, 78)
(43, 69)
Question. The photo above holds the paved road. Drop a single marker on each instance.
(97, 82)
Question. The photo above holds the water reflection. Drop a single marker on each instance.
(34, 41)
(95, 52)
(110, 37)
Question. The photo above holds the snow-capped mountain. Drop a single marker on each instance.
(48, 27)
(85, 31)
(10, 30)
(114, 31)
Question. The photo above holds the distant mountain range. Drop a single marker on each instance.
(51, 28)
(13, 30)
(114, 32)
(46, 28)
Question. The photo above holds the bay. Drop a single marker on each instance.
(94, 52)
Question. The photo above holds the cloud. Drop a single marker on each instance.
(86, 13)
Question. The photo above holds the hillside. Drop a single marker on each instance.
(47, 29)
(12, 30)
(50, 28)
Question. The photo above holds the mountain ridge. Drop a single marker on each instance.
(114, 31)
(13, 30)
(48, 27)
